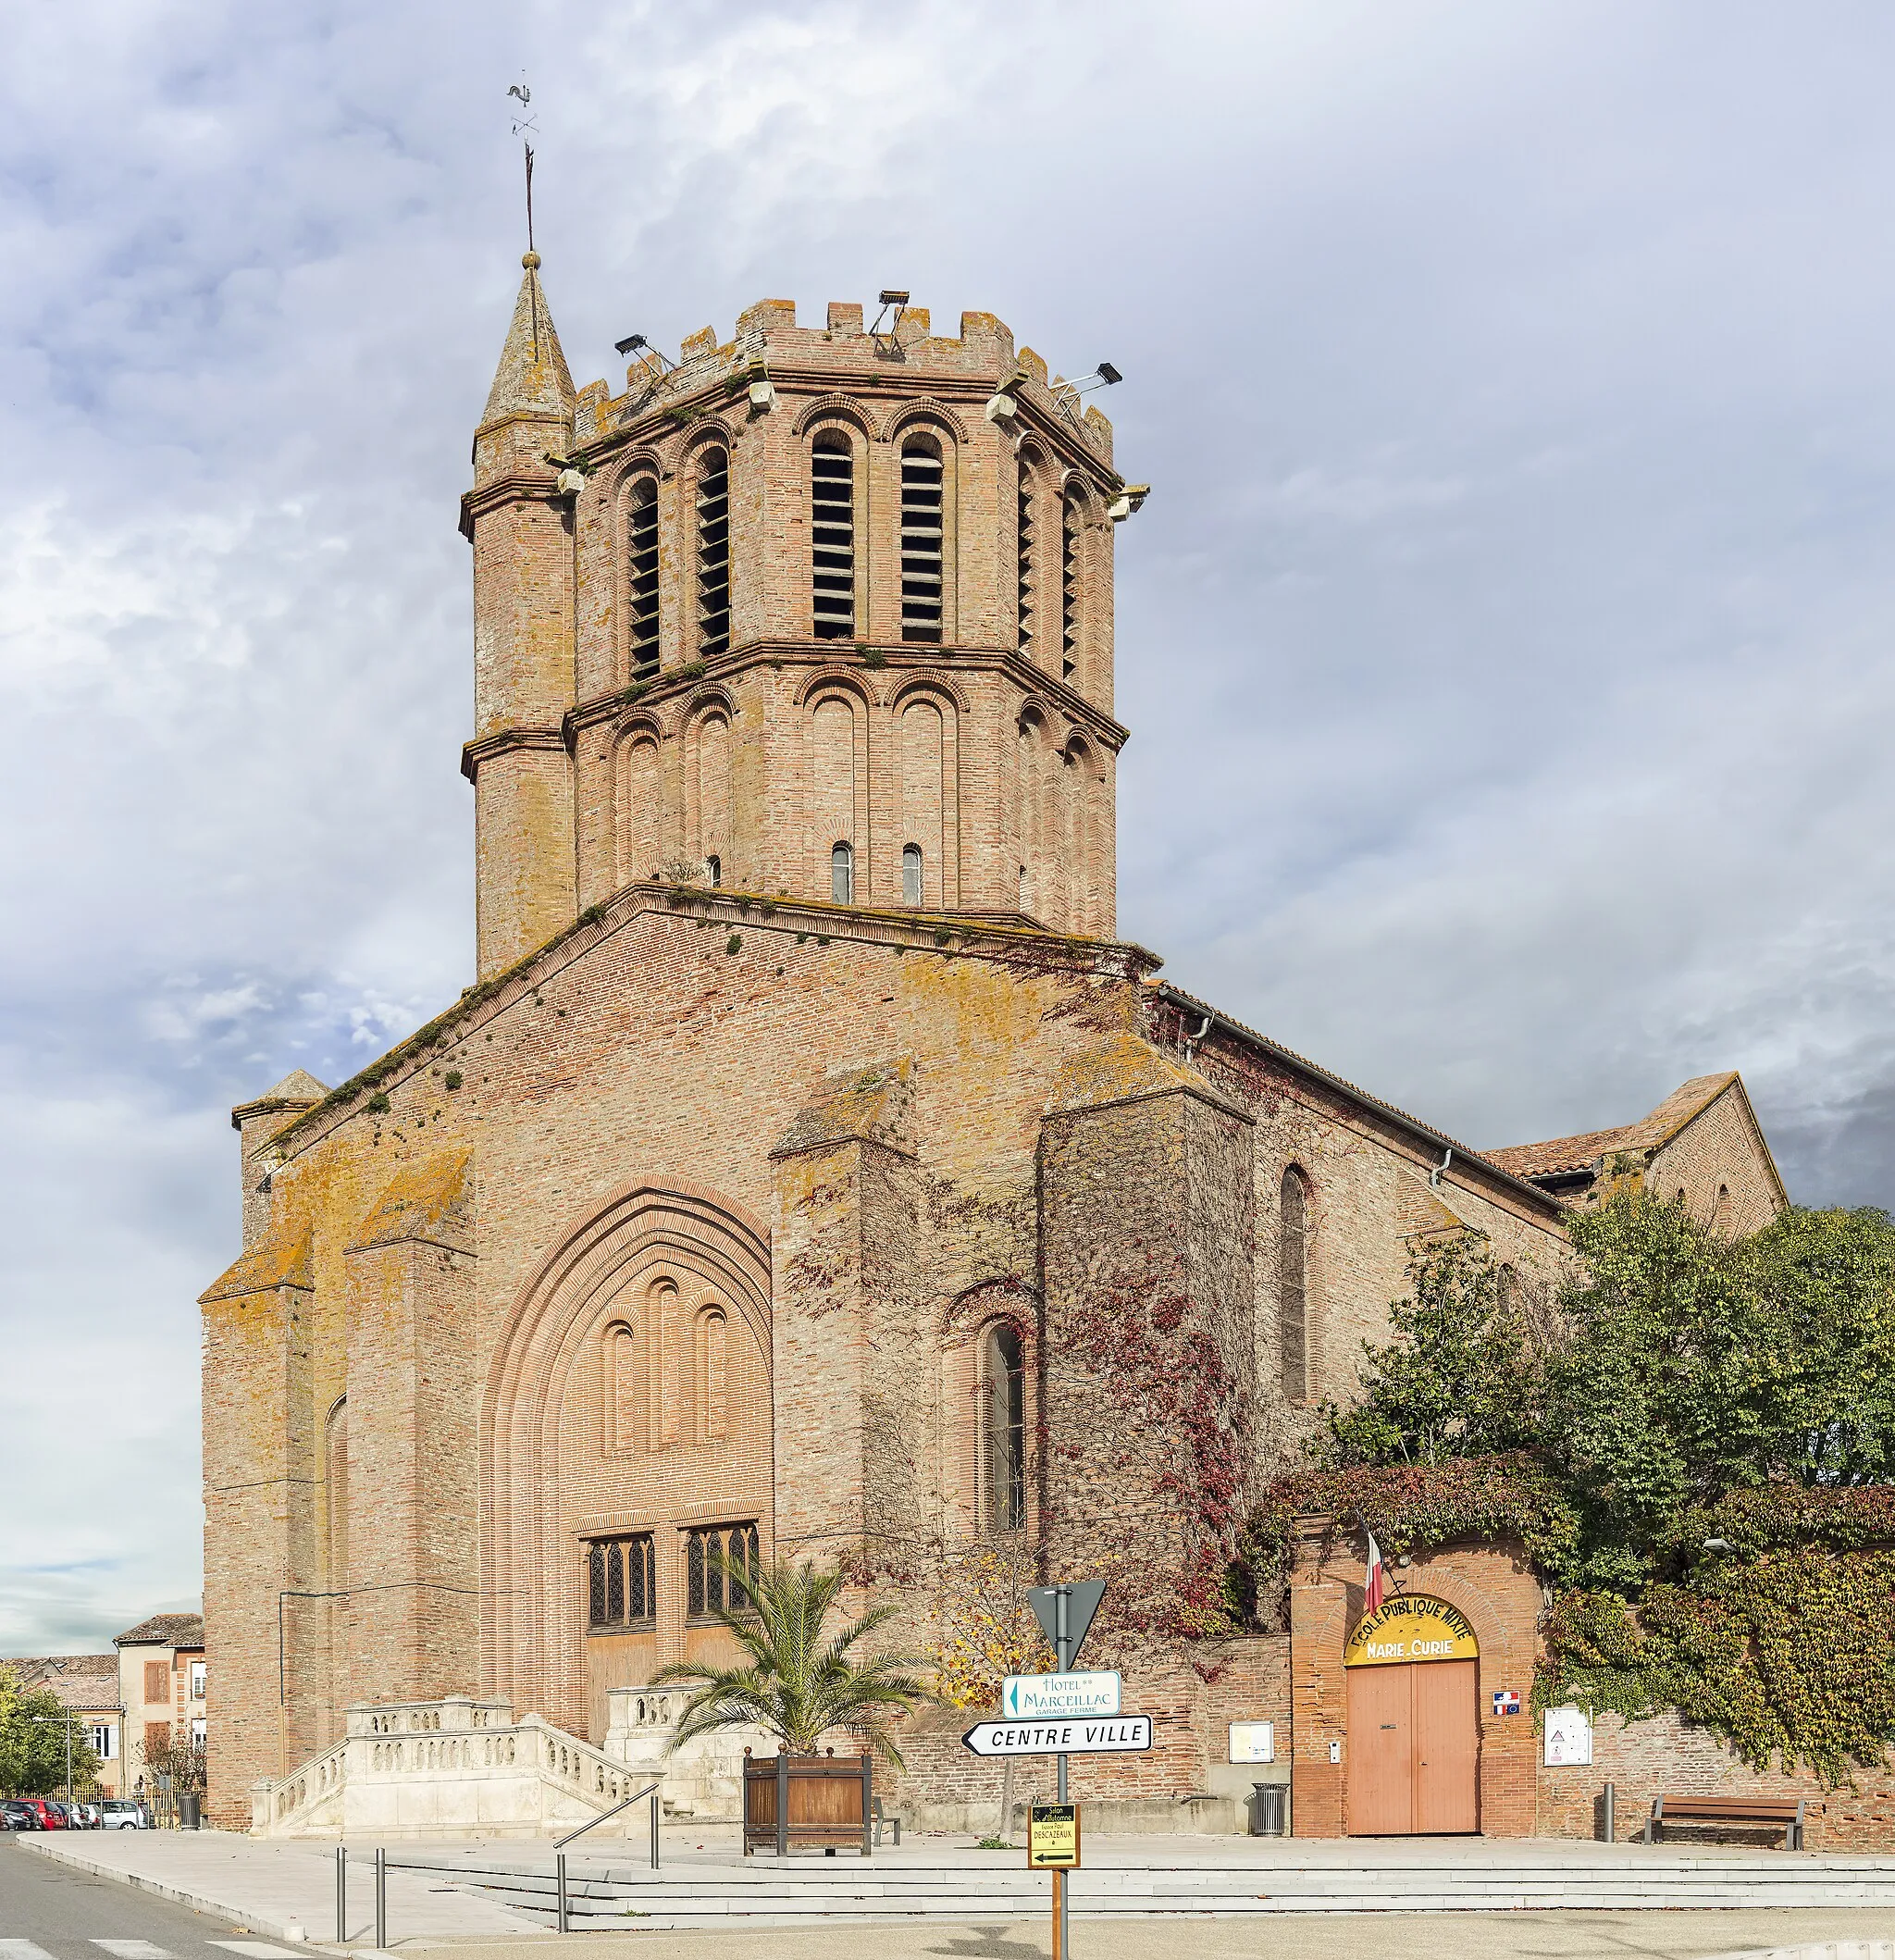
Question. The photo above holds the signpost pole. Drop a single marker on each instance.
(1062, 1645)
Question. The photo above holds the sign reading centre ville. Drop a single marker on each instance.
(1109, 1736)
(1410, 1628)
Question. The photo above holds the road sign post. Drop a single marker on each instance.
(1052, 1845)
(1065, 1614)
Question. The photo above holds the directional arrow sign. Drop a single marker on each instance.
(1055, 1697)
(1108, 1734)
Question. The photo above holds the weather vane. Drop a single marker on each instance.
(524, 126)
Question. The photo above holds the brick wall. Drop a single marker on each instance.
(1668, 1757)
(1721, 1164)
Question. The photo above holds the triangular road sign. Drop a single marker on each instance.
(1083, 1596)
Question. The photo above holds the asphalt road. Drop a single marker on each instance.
(50, 1912)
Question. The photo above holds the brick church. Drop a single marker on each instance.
(810, 1169)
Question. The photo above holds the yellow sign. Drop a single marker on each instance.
(1052, 1837)
(1410, 1628)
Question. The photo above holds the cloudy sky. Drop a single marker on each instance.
(1505, 642)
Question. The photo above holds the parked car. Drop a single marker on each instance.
(18, 1816)
(124, 1814)
(49, 1814)
(86, 1816)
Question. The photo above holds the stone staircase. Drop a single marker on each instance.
(703, 1892)
(449, 1768)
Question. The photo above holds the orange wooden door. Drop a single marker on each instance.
(1381, 1747)
(1447, 1735)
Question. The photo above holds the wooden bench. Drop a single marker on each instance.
(1784, 1813)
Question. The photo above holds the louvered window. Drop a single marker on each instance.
(1069, 589)
(1027, 541)
(641, 547)
(921, 539)
(716, 1564)
(713, 554)
(621, 1582)
(831, 535)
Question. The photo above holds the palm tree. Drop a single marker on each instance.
(792, 1681)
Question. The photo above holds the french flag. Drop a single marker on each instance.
(1371, 1582)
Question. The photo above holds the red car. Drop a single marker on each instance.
(50, 1816)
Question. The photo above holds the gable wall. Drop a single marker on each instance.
(1720, 1150)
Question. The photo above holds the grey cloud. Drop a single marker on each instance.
(1504, 643)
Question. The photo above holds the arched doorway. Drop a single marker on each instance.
(1414, 1736)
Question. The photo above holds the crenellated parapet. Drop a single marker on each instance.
(840, 626)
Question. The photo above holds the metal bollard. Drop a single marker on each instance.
(342, 1896)
(381, 1898)
(1611, 1809)
(654, 1831)
(559, 1864)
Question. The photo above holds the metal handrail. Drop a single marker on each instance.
(559, 1848)
(638, 1796)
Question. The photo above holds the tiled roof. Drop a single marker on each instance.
(77, 1680)
(165, 1629)
(1579, 1153)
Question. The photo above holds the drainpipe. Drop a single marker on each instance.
(1191, 1041)
(1434, 1175)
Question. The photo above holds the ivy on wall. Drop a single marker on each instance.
(1693, 1442)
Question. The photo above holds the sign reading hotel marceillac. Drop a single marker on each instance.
(1409, 1629)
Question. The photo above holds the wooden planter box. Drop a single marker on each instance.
(816, 1802)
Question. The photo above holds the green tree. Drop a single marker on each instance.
(32, 1741)
(792, 1681)
(1693, 1366)
(1459, 1378)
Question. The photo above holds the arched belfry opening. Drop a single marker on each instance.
(811, 537)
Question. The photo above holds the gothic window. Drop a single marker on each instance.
(911, 874)
(831, 535)
(713, 551)
(922, 534)
(1002, 1429)
(716, 1559)
(1293, 1290)
(1068, 587)
(712, 1334)
(624, 1386)
(641, 552)
(713, 870)
(621, 1583)
(1026, 544)
(842, 875)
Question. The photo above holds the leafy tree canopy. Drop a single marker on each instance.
(1697, 1445)
(1677, 1368)
(33, 1741)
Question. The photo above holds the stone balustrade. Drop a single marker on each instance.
(461, 1768)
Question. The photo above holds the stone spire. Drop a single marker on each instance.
(532, 378)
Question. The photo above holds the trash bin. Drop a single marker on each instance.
(189, 1803)
(1269, 1809)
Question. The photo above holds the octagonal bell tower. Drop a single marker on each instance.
(824, 612)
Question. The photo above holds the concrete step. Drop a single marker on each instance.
(760, 1894)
